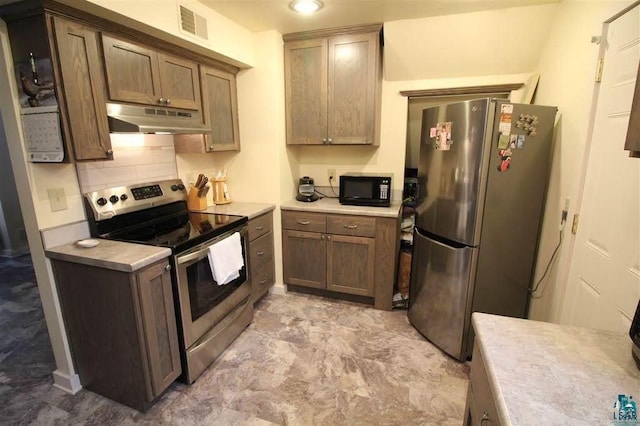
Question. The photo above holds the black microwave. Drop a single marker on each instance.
(365, 189)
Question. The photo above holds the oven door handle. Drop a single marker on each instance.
(193, 256)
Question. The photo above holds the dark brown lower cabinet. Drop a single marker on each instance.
(343, 254)
(261, 260)
(122, 330)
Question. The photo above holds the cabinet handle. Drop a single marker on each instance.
(167, 268)
(167, 102)
(350, 226)
(324, 140)
(109, 152)
(322, 237)
(259, 228)
(328, 237)
(210, 147)
(260, 253)
(329, 140)
(161, 101)
(485, 418)
(303, 222)
(263, 281)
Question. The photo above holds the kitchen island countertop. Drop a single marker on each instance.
(116, 255)
(332, 205)
(547, 374)
(241, 208)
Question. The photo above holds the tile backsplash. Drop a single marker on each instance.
(137, 158)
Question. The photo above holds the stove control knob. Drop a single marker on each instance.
(174, 187)
(114, 199)
(101, 201)
(124, 197)
(181, 187)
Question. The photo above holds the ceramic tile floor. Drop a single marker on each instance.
(303, 361)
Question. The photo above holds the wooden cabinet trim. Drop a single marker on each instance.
(387, 251)
(312, 222)
(333, 257)
(312, 114)
(85, 126)
(352, 225)
(115, 70)
(304, 35)
(193, 100)
(260, 225)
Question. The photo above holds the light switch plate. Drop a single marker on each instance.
(57, 199)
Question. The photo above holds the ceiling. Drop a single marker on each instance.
(262, 15)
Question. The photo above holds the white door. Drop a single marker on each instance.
(604, 276)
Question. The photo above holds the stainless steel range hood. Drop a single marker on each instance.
(148, 119)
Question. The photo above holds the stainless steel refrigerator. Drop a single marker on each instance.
(486, 163)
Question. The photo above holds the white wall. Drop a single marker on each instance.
(225, 36)
(261, 171)
(30, 180)
(503, 41)
(567, 68)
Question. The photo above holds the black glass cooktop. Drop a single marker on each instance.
(179, 231)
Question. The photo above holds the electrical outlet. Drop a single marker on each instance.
(331, 175)
(57, 199)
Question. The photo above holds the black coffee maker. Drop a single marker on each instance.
(306, 190)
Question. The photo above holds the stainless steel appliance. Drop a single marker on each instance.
(634, 333)
(365, 189)
(306, 190)
(209, 316)
(486, 163)
(124, 118)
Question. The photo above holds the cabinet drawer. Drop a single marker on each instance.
(482, 407)
(352, 225)
(262, 279)
(300, 221)
(261, 251)
(260, 225)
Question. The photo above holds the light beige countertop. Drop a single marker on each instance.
(241, 208)
(332, 205)
(549, 374)
(116, 255)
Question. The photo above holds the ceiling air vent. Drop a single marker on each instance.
(193, 23)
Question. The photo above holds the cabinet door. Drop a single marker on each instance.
(83, 90)
(352, 88)
(132, 72)
(179, 82)
(305, 258)
(220, 109)
(158, 326)
(305, 68)
(350, 264)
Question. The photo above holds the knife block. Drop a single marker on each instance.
(220, 194)
(195, 203)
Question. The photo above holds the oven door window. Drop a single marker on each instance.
(204, 291)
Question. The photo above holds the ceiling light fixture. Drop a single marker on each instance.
(306, 6)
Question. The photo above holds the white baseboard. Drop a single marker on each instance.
(68, 383)
(278, 289)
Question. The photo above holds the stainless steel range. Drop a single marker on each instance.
(209, 316)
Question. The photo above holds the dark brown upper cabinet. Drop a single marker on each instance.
(81, 89)
(220, 110)
(333, 86)
(143, 75)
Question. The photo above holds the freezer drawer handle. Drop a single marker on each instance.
(303, 222)
(351, 226)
